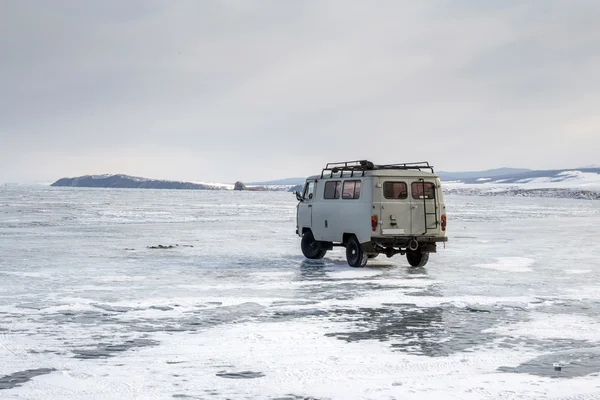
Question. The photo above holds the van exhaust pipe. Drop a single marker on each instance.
(413, 245)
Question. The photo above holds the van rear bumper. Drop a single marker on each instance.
(400, 239)
(426, 243)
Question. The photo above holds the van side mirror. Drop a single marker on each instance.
(298, 196)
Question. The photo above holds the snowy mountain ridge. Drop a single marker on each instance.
(582, 183)
(582, 178)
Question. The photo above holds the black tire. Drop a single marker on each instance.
(417, 259)
(355, 255)
(311, 248)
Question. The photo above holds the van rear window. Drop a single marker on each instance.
(422, 190)
(332, 190)
(395, 190)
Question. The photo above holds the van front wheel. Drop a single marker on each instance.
(311, 248)
(416, 258)
(355, 255)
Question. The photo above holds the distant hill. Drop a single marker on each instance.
(122, 181)
(580, 183)
(132, 182)
(450, 176)
(550, 178)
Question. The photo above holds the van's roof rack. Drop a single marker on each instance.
(361, 166)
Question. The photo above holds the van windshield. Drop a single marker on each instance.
(308, 190)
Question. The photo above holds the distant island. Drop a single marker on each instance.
(120, 181)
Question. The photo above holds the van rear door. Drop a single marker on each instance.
(395, 212)
(423, 207)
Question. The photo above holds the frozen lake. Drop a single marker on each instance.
(234, 311)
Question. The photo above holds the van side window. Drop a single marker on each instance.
(309, 190)
(351, 190)
(422, 190)
(395, 190)
(332, 190)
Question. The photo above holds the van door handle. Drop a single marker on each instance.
(412, 207)
(310, 205)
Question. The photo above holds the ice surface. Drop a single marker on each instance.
(510, 264)
(233, 310)
(578, 271)
(557, 326)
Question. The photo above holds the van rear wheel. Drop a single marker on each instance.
(311, 247)
(417, 258)
(355, 255)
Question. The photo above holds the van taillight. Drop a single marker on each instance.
(374, 223)
(443, 222)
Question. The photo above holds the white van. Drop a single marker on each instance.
(372, 209)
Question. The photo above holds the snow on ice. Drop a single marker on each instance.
(87, 310)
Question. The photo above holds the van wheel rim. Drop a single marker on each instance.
(353, 254)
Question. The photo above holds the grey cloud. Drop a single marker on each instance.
(184, 89)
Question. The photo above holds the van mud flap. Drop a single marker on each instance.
(428, 247)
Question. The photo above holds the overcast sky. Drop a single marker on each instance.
(252, 90)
